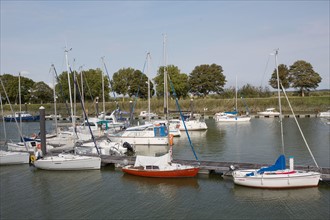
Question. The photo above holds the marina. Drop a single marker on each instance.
(209, 195)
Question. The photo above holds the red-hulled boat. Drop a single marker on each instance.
(161, 167)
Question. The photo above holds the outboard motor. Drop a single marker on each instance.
(130, 149)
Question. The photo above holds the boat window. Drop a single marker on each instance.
(152, 167)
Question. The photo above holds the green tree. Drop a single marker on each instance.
(205, 79)
(249, 91)
(92, 82)
(303, 76)
(139, 85)
(131, 82)
(10, 83)
(283, 72)
(11, 86)
(41, 93)
(92, 85)
(178, 79)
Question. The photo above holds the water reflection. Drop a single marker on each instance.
(165, 187)
(252, 194)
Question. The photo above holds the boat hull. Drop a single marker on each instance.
(138, 140)
(293, 179)
(233, 119)
(193, 125)
(8, 158)
(68, 162)
(24, 119)
(189, 172)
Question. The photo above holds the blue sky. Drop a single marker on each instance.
(238, 35)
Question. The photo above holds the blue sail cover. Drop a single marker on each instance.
(232, 113)
(279, 165)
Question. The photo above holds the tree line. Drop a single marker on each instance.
(204, 80)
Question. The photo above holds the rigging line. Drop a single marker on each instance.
(182, 118)
(3, 120)
(110, 83)
(137, 92)
(266, 67)
(12, 111)
(61, 88)
(88, 88)
(83, 108)
(246, 107)
(302, 134)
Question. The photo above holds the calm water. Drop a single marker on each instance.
(110, 194)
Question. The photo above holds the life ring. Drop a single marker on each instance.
(171, 139)
(32, 158)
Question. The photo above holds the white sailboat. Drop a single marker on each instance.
(232, 116)
(269, 112)
(68, 161)
(173, 128)
(9, 157)
(278, 175)
(147, 134)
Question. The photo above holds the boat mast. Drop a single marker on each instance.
(68, 70)
(279, 98)
(236, 95)
(54, 94)
(165, 78)
(20, 101)
(148, 57)
(3, 120)
(82, 89)
(103, 97)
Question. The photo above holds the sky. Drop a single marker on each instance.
(237, 35)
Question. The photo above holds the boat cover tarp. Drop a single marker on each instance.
(152, 161)
(232, 113)
(279, 165)
(139, 127)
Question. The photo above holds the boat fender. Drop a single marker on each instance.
(39, 146)
(32, 158)
(171, 139)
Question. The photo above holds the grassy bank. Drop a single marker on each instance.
(302, 105)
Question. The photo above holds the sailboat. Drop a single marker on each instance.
(278, 175)
(232, 116)
(9, 157)
(173, 128)
(150, 133)
(162, 166)
(68, 161)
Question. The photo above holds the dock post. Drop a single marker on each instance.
(42, 130)
(97, 107)
(130, 112)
